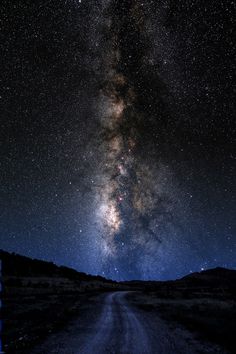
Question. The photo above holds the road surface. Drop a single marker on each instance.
(120, 328)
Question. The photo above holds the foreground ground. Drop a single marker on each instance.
(51, 309)
(112, 324)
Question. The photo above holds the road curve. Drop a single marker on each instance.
(118, 330)
(116, 327)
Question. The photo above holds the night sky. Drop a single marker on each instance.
(117, 130)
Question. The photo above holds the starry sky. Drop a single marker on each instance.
(117, 135)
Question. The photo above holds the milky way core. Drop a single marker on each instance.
(135, 210)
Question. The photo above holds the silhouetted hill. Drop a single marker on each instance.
(39, 297)
(15, 265)
(215, 283)
(222, 275)
(203, 302)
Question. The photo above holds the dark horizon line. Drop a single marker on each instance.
(105, 278)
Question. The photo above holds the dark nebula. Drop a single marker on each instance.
(117, 135)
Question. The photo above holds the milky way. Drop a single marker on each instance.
(131, 207)
(117, 135)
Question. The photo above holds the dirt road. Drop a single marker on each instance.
(120, 328)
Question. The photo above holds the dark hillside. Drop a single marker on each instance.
(204, 303)
(40, 297)
(21, 266)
